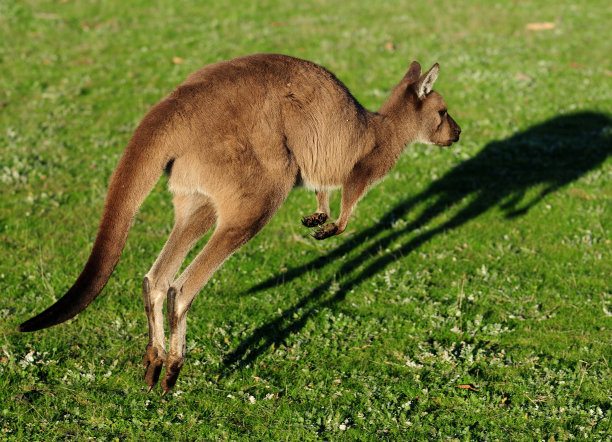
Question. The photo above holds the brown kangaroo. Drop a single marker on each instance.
(235, 138)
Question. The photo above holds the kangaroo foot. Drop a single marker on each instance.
(154, 357)
(174, 362)
(173, 368)
(325, 231)
(314, 220)
(153, 361)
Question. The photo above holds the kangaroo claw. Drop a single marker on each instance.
(153, 362)
(325, 231)
(173, 368)
(314, 220)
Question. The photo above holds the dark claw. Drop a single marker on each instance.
(153, 363)
(314, 220)
(153, 372)
(173, 369)
(325, 231)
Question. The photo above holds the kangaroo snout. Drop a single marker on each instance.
(457, 133)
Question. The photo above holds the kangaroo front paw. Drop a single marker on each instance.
(153, 361)
(173, 368)
(325, 231)
(314, 220)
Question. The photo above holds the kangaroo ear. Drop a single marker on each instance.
(426, 82)
(412, 76)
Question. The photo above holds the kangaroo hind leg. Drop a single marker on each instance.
(194, 216)
(239, 220)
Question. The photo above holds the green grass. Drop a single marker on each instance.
(488, 263)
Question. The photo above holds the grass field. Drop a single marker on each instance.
(487, 264)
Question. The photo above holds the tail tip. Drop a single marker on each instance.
(24, 327)
(31, 325)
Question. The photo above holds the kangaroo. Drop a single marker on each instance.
(235, 137)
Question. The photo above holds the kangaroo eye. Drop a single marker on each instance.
(442, 113)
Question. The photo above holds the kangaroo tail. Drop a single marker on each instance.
(136, 174)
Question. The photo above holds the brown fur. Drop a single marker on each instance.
(236, 136)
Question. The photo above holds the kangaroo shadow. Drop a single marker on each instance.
(547, 156)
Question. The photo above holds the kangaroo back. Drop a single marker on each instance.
(138, 170)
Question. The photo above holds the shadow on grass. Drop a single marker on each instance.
(549, 155)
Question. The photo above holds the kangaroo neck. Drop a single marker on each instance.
(393, 132)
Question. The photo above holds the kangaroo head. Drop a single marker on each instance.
(419, 110)
(435, 125)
